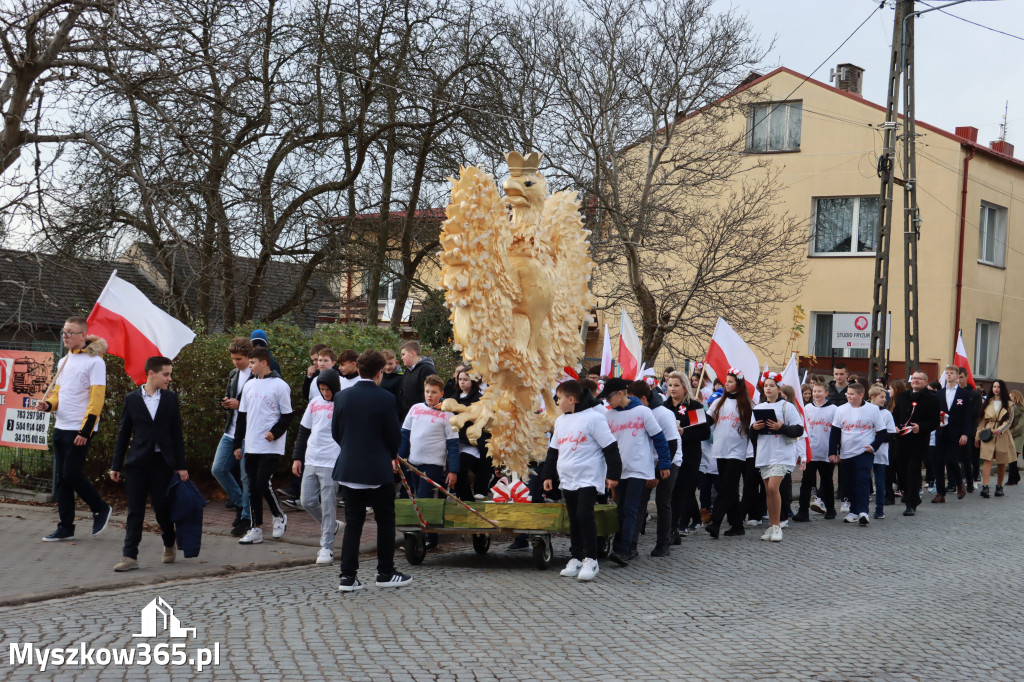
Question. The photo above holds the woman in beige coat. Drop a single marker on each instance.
(1017, 431)
(997, 416)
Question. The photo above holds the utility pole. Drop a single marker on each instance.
(911, 213)
(886, 172)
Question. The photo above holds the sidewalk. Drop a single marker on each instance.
(34, 570)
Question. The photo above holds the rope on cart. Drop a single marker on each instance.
(412, 498)
(443, 490)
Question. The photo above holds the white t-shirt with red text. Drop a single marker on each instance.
(859, 425)
(819, 428)
(321, 448)
(633, 429)
(882, 455)
(669, 427)
(429, 432)
(728, 442)
(580, 438)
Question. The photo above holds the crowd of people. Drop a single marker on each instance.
(709, 452)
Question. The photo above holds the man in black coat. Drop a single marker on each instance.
(366, 427)
(916, 414)
(418, 369)
(149, 448)
(951, 440)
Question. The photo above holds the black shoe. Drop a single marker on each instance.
(984, 492)
(950, 488)
(100, 520)
(801, 517)
(712, 529)
(349, 583)
(660, 551)
(999, 491)
(830, 514)
(242, 528)
(734, 531)
(396, 579)
(970, 489)
(292, 503)
(521, 543)
(618, 558)
(61, 533)
(633, 554)
(909, 511)
(890, 499)
(677, 540)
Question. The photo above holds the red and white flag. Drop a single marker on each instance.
(606, 355)
(629, 348)
(134, 328)
(791, 377)
(727, 350)
(960, 358)
(693, 417)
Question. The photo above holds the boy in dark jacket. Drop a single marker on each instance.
(149, 447)
(419, 368)
(391, 381)
(226, 469)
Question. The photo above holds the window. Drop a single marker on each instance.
(986, 349)
(774, 127)
(822, 340)
(992, 235)
(844, 225)
(389, 281)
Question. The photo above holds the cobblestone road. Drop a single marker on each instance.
(933, 597)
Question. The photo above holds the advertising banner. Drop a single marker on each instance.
(24, 376)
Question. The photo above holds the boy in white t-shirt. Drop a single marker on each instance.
(858, 430)
(820, 414)
(879, 397)
(635, 429)
(314, 457)
(584, 455)
(429, 442)
(264, 413)
(347, 368)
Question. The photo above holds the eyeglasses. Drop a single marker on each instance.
(65, 333)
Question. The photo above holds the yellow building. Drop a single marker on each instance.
(825, 141)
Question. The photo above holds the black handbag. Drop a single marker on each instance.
(985, 435)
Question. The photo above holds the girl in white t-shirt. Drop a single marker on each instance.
(775, 441)
(880, 397)
(730, 419)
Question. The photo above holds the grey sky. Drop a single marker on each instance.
(965, 74)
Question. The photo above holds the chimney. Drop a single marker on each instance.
(968, 133)
(1003, 147)
(848, 78)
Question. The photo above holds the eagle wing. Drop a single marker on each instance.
(573, 300)
(475, 273)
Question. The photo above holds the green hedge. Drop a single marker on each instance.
(200, 373)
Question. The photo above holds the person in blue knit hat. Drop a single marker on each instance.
(258, 338)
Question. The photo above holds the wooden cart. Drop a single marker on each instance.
(538, 521)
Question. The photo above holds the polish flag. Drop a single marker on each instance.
(134, 328)
(692, 417)
(791, 377)
(606, 355)
(727, 350)
(960, 358)
(629, 348)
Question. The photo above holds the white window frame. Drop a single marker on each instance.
(783, 108)
(853, 232)
(998, 235)
(989, 368)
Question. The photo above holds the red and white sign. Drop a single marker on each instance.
(853, 330)
(24, 377)
(135, 329)
(693, 417)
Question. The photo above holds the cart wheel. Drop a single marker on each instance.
(481, 543)
(415, 548)
(604, 546)
(542, 553)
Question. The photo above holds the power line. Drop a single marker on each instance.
(974, 23)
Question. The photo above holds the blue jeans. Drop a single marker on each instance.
(857, 473)
(628, 495)
(423, 489)
(223, 462)
(879, 487)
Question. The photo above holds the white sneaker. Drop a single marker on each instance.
(850, 518)
(844, 508)
(572, 569)
(253, 536)
(338, 525)
(478, 497)
(818, 505)
(863, 519)
(784, 524)
(767, 535)
(325, 556)
(589, 571)
(753, 522)
(280, 523)
(776, 534)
